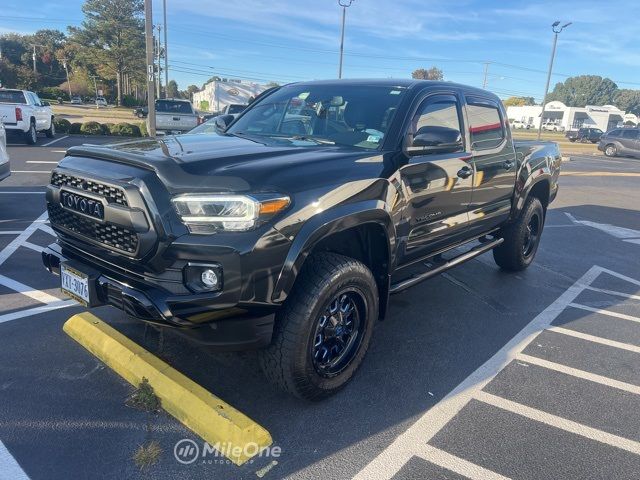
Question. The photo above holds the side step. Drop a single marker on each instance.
(474, 252)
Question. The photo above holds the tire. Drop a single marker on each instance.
(51, 131)
(610, 150)
(573, 140)
(301, 358)
(521, 238)
(31, 135)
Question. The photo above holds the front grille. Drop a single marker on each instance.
(110, 235)
(111, 194)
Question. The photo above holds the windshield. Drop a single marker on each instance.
(351, 115)
(165, 106)
(207, 127)
(12, 96)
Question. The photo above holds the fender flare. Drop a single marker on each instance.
(323, 225)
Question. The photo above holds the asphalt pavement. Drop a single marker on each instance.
(474, 374)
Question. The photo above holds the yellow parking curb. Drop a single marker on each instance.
(214, 420)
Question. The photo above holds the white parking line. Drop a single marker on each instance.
(575, 372)
(21, 193)
(389, 462)
(10, 232)
(613, 292)
(7, 251)
(9, 468)
(33, 246)
(457, 464)
(605, 312)
(7, 317)
(55, 141)
(30, 171)
(595, 339)
(622, 233)
(43, 161)
(559, 422)
(26, 290)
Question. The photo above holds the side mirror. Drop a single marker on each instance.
(435, 139)
(223, 121)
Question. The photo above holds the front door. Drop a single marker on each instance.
(494, 160)
(629, 140)
(436, 186)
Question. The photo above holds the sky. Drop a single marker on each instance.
(294, 40)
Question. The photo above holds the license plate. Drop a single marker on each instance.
(75, 284)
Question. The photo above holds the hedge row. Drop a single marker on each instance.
(94, 128)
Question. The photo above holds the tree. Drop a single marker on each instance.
(519, 101)
(112, 35)
(433, 73)
(628, 100)
(272, 85)
(584, 90)
(172, 89)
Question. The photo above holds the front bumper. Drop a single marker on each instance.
(195, 316)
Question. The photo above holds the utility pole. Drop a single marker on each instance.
(159, 86)
(344, 4)
(166, 48)
(486, 71)
(64, 64)
(34, 59)
(95, 87)
(556, 31)
(148, 33)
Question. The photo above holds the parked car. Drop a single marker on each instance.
(519, 125)
(141, 112)
(5, 168)
(552, 127)
(23, 113)
(175, 116)
(101, 102)
(585, 134)
(620, 141)
(289, 235)
(233, 109)
(76, 100)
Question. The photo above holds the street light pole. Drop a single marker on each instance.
(344, 4)
(64, 64)
(166, 55)
(159, 68)
(556, 31)
(148, 35)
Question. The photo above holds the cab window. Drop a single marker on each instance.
(485, 125)
(631, 134)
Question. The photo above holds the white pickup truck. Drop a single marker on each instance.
(175, 116)
(24, 113)
(5, 169)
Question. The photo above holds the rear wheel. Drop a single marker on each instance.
(610, 150)
(323, 330)
(521, 238)
(31, 135)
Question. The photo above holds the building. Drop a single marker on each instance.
(605, 117)
(218, 94)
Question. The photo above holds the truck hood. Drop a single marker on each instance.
(233, 164)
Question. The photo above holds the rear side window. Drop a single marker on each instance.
(166, 106)
(632, 134)
(614, 133)
(485, 125)
(10, 96)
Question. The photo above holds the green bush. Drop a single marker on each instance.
(53, 93)
(129, 101)
(125, 130)
(62, 125)
(91, 128)
(204, 105)
(143, 129)
(75, 127)
(106, 128)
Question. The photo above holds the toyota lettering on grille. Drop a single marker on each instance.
(78, 203)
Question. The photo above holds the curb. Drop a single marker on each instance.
(211, 418)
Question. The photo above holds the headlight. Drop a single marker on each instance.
(208, 213)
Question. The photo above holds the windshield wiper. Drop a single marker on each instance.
(318, 140)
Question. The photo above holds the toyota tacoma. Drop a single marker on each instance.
(288, 228)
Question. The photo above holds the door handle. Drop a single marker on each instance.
(508, 165)
(465, 172)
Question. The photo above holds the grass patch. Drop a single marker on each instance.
(144, 398)
(147, 455)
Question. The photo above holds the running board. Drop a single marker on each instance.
(474, 252)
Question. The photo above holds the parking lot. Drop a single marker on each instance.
(474, 374)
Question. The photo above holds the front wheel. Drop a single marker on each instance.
(610, 150)
(521, 238)
(324, 328)
(31, 135)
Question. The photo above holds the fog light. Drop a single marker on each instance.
(209, 278)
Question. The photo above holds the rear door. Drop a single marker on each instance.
(494, 161)
(437, 196)
(629, 140)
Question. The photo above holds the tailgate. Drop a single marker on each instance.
(170, 121)
(8, 114)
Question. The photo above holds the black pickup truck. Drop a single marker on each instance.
(289, 229)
